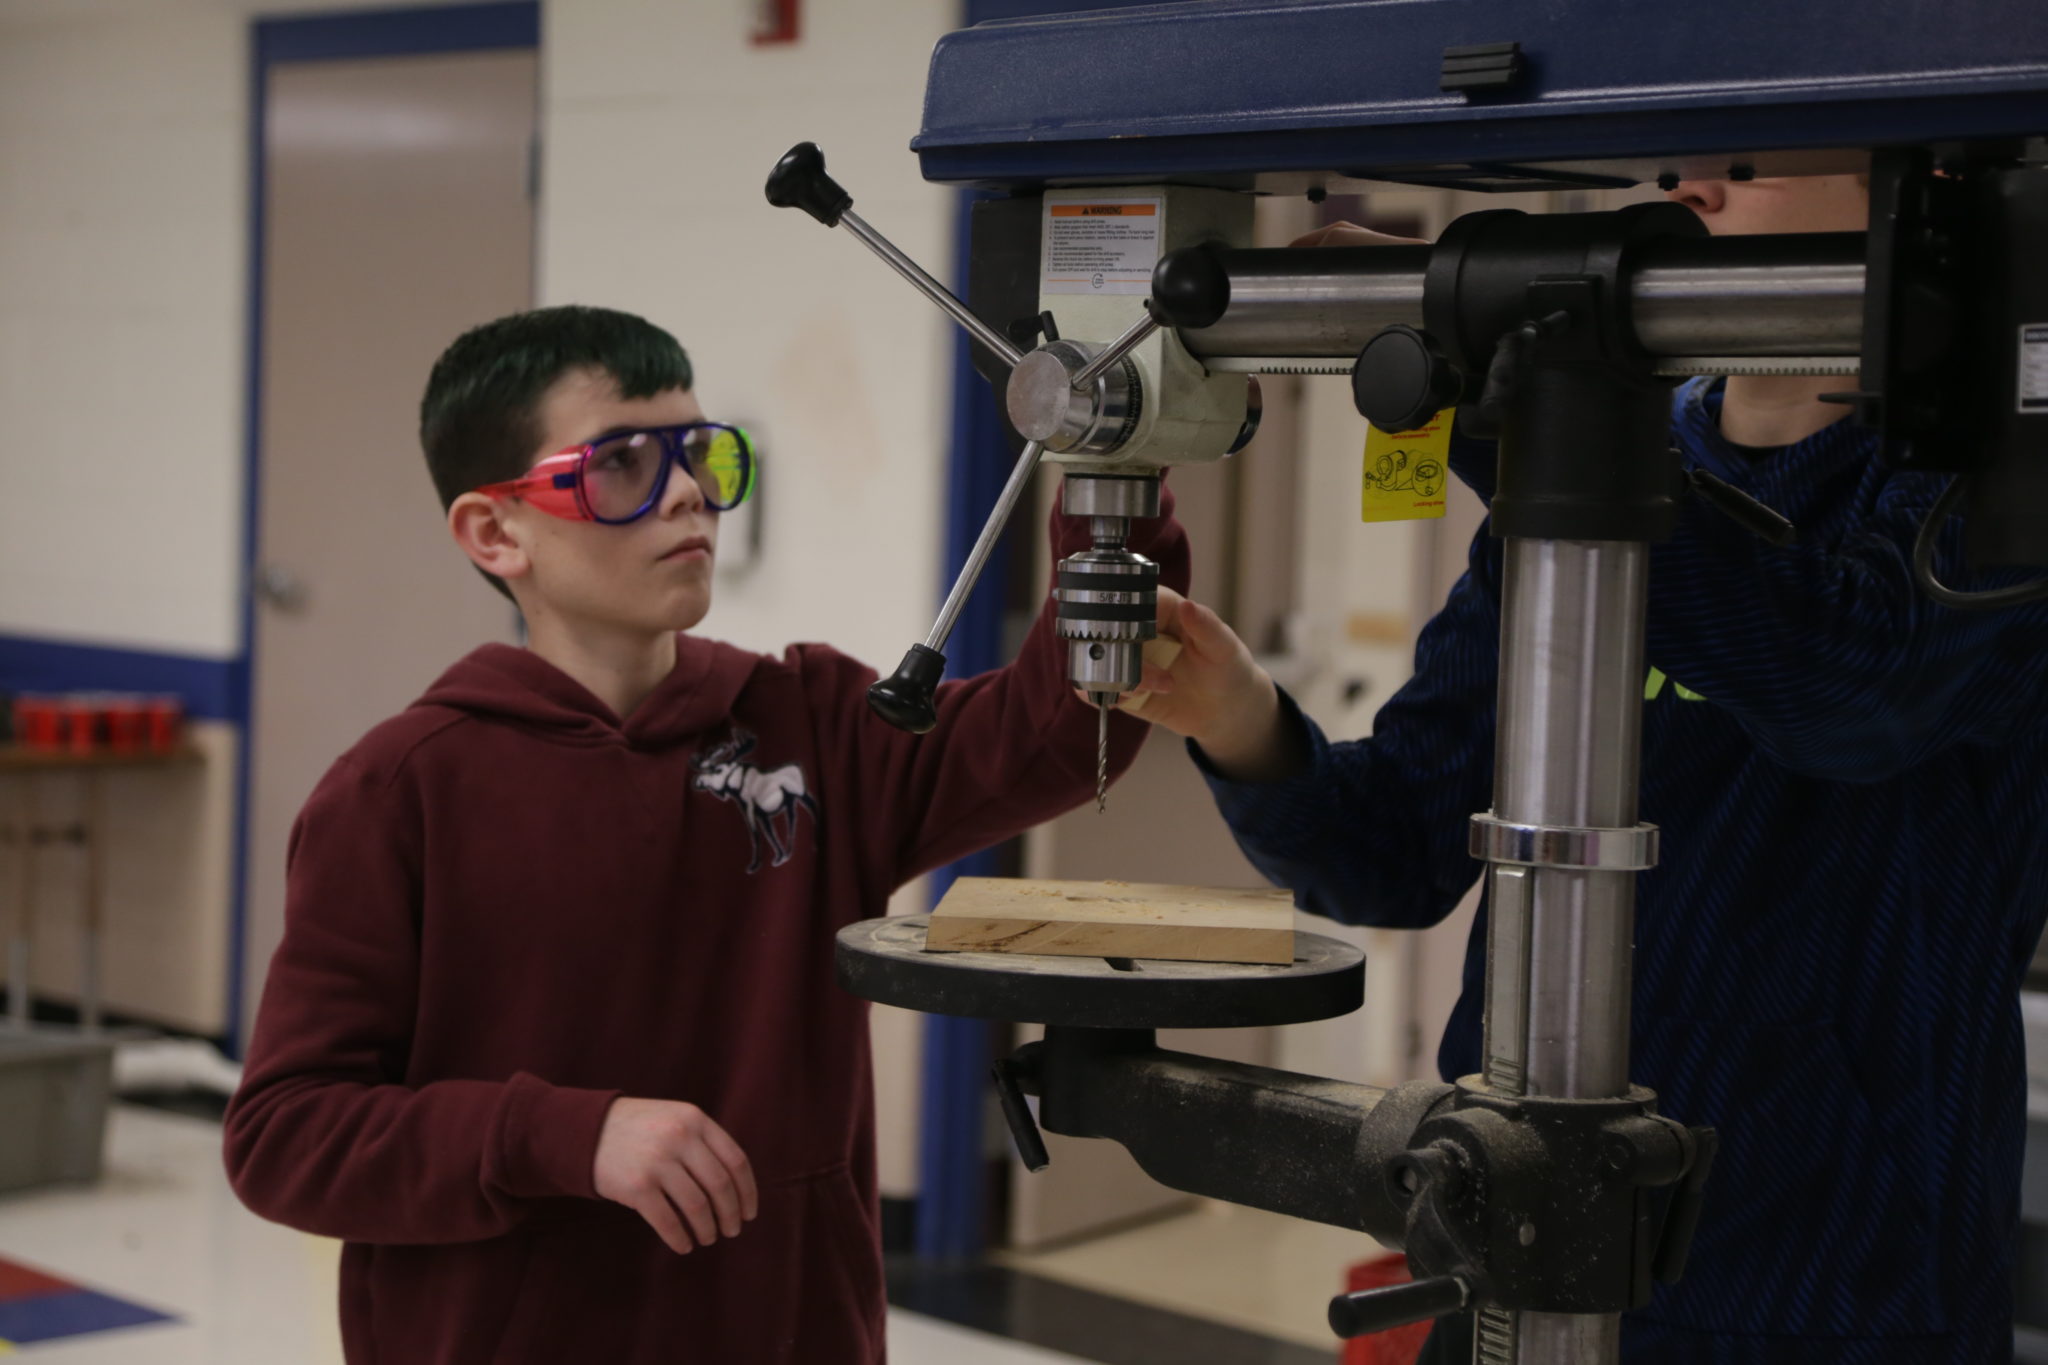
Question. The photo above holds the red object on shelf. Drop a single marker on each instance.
(777, 21)
(124, 724)
(164, 723)
(76, 718)
(1401, 1345)
(35, 723)
(86, 723)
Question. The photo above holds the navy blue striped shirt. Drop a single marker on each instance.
(1852, 788)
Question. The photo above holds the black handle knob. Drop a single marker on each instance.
(799, 182)
(1402, 378)
(1397, 1305)
(1023, 1127)
(904, 698)
(1674, 1244)
(1191, 287)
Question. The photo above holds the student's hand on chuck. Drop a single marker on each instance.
(1207, 686)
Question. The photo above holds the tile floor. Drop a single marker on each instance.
(1245, 1267)
(162, 1230)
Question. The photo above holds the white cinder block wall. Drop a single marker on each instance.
(122, 297)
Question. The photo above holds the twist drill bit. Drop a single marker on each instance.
(1102, 700)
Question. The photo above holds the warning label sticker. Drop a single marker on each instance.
(2033, 385)
(1105, 246)
(1406, 471)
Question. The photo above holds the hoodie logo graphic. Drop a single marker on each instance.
(769, 798)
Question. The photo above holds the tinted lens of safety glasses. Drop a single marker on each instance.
(723, 464)
(619, 476)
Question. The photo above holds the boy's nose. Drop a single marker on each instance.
(682, 493)
(1704, 197)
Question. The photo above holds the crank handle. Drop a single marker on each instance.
(799, 181)
(1396, 1305)
(1009, 1075)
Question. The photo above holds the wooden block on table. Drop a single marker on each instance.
(1113, 919)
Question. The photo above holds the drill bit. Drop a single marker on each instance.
(1102, 701)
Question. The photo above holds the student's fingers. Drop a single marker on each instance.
(1351, 234)
(1178, 616)
(1204, 635)
(651, 1204)
(1170, 603)
(716, 1182)
(1315, 237)
(735, 1161)
(682, 1190)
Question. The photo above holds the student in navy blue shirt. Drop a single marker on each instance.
(1852, 784)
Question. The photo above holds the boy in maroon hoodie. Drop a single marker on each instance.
(552, 1039)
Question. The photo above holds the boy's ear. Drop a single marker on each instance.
(479, 526)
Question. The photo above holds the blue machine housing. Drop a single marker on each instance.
(1282, 94)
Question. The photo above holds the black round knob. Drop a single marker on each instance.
(904, 698)
(799, 182)
(1191, 287)
(1379, 1310)
(1402, 378)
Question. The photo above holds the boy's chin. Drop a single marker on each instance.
(653, 615)
(685, 613)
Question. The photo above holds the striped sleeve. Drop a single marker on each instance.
(1373, 830)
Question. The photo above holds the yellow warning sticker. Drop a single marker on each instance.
(1406, 472)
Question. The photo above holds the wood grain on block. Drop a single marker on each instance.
(1113, 919)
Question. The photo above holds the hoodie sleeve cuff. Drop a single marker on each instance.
(548, 1138)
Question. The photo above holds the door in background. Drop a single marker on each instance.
(398, 212)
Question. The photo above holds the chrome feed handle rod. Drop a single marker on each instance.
(1110, 356)
(905, 699)
(799, 182)
(977, 558)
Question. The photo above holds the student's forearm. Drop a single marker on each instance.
(1368, 831)
(453, 1161)
(1256, 742)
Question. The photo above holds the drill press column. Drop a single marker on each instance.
(1559, 937)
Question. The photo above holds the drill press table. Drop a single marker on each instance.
(884, 960)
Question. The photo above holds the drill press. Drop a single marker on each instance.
(1547, 1192)
(1114, 413)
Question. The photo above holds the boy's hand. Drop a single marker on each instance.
(1215, 693)
(1351, 234)
(668, 1161)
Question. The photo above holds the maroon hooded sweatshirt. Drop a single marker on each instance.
(505, 909)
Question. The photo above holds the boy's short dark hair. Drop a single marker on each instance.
(479, 418)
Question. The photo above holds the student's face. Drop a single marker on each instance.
(649, 576)
(1814, 203)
